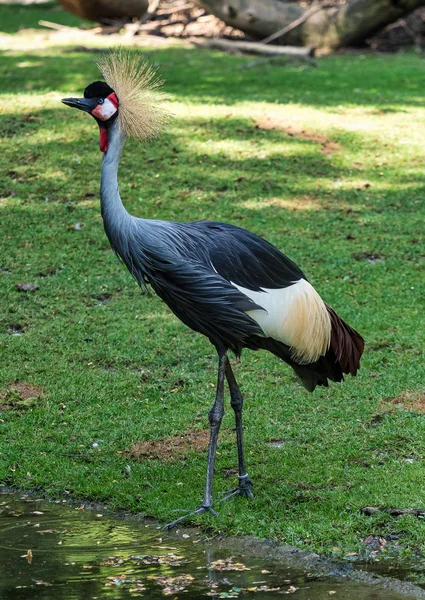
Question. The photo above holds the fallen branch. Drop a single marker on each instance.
(254, 47)
(56, 26)
(173, 8)
(294, 24)
(131, 29)
(150, 13)
(329, 25)
(77, 30)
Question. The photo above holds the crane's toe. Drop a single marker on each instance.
(244, 489)
(198, 511)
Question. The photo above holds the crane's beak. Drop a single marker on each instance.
(85, 104)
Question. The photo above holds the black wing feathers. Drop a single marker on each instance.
(247, 259)
(192, 266)
(176, 262)
(207, 303)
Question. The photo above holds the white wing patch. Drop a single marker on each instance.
(295, 315)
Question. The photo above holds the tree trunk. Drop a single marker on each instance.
(103, 10)
(330, 27)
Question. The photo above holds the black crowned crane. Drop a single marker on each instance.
(220, 280)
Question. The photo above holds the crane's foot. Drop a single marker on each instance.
(244, 489)
(198, 511)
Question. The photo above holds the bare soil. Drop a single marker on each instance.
(409, 400)
(167, 449)
(270, 123)
(19, 395)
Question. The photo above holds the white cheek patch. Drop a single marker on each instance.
(104, 111)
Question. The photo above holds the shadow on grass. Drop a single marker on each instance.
(278, 185)
(292, 164)
(193, 75)
(285, 196)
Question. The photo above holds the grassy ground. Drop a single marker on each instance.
(327, 164)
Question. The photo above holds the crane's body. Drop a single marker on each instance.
(224, 282)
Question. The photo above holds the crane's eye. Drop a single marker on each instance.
(101, 100)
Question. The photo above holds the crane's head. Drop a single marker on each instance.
(130, 95)
(101, 103)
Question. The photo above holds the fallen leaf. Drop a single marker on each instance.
(138, 588)
(227, 565)
(167, 559)
(375, 543)
(28, 556)
(43, 531)
(172, 585)
(118, 580)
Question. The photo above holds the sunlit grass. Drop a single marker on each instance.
(327, 164)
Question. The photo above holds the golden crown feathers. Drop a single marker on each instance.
(141, 111)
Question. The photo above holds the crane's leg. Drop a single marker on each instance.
(215, 417)
(236, 401)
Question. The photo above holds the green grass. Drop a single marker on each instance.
(109, 359)
(16, 17)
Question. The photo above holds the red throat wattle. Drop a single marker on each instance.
(103, 143)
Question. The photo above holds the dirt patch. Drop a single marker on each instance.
(272, 123)
(20, 395)
(409, 400)
(276, 443)
(14, 328)
(167, 449)
(370, 257)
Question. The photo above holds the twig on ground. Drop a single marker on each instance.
(57, 26)
(76, 30)
(254, 47)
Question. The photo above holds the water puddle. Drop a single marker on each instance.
(61, 552)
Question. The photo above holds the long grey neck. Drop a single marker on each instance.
(113, 211)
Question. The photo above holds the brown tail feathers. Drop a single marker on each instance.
(343, 356)
(347, 344)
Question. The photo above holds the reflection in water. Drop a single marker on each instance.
(53, 551)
